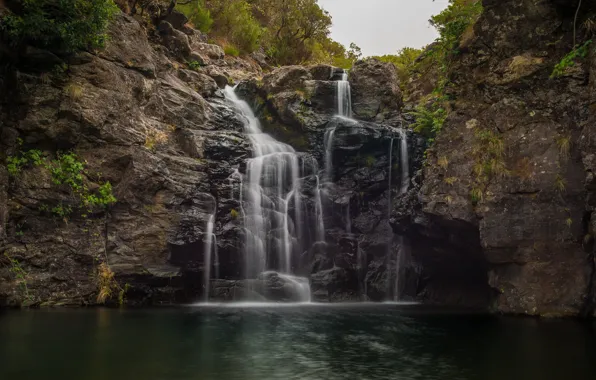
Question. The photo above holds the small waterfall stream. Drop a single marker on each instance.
(344, 96)
(209, 255)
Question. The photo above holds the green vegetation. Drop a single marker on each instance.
(570, 59)
(430, 118)
(231, 50)
(194, 65)
(404, 61)
(489, 162)
(289, 31)
(20, 276)
(107, 285)
(65, 25)
(234, 214)
(453, 24)
(66, 170)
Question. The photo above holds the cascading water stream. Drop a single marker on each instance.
(344, 96)
(344, 110)
(405, 162)
(208, 253)
(272, 184)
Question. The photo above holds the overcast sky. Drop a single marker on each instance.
(383, 26)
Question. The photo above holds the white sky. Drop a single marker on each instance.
(383, 26)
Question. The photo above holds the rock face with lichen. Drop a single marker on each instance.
(505, 214)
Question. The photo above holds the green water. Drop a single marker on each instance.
(303, 342)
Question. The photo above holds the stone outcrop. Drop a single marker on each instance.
(515, 235)
(376, 95)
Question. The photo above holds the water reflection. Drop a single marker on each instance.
(366, 342)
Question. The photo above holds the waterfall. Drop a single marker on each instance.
(405, 162)
(328, 145)
(404, 185)
(389, 185)
(344, 110)
(207, 253)
(344, 96)
(270, 198)
(320, 227)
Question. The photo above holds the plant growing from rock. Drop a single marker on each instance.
(107, 285)
(20, 275)
(66, 170)
(571, 59)
(489, 162)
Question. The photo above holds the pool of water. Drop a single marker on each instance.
(299, 342)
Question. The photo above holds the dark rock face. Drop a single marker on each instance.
(142, 123)
(525, 246)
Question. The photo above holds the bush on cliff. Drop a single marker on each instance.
(64, 25)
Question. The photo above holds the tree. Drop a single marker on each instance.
(65, 25)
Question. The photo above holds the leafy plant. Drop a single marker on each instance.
(194, 65)
(476, 194)
(429, 120)
(66, 170)
(234, 214)
(231, 50)
(570, 59)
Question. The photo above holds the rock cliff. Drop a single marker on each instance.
(505, 213)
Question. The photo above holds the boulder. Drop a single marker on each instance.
(376, 95)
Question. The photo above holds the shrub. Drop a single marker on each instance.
(194, 65)
(65, 25)
(198, 15)
(231, 50)
(66, 170)
(429, 119)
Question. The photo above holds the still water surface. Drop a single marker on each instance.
(301, 342)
